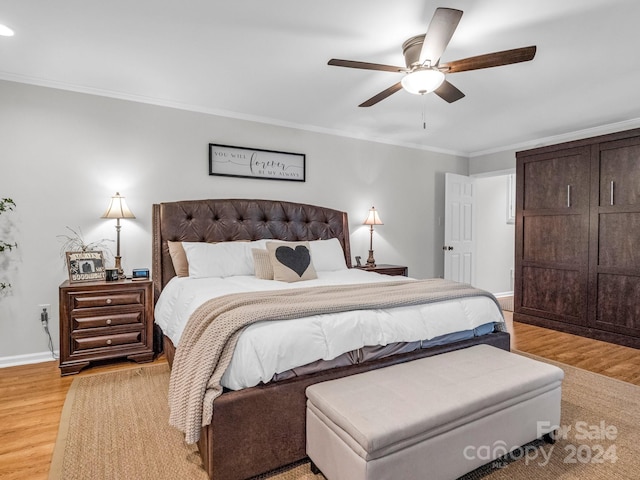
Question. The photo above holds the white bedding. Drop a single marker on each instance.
(267, 348)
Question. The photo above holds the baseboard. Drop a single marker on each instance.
(27, 359)
(505, 300)
(503, 294)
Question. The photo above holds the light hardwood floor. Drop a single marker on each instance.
(604, 358)
(32, 396)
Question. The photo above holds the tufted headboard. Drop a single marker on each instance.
(225, 220)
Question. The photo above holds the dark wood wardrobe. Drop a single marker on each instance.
(577, 265)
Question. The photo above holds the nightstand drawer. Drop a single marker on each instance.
(108, 299)
(110, 320)
(89, 343)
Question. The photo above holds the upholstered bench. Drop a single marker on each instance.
(438, 417)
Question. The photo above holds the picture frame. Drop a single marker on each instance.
(231, 161)
(85, 266)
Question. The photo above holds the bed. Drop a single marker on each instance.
(261, 427)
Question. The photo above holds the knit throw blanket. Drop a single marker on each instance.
(209, 338)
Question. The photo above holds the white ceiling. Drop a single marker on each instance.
(266, 60)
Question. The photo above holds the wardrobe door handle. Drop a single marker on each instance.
(611, 189)
(568, 196)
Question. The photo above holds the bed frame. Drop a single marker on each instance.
(262, 428)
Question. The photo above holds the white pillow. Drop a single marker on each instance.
(327, 255)
(224, 259)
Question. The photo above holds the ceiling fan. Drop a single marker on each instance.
(424, 73)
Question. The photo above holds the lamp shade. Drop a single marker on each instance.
(422, 81)
(118, 208)
(373, 218)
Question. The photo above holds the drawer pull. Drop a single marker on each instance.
(108, 301)
(109, 342)
(108, 321)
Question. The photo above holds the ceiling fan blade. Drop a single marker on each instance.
(488, 60)
(448, 92)
(382, 95)
(365, 65)
(443, 24)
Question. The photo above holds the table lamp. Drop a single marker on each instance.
(118, 209)
(371, 220)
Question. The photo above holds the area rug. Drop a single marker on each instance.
(114, 426)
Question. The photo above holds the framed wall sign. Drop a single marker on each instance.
(85, 266)
(229, 161)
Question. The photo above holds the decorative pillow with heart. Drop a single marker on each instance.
(291, 261)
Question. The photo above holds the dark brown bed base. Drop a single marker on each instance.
(261, 428)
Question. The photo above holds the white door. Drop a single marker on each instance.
(459, 228)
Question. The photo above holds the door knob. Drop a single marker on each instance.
(445, 247)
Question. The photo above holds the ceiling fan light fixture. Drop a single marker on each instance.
(422, 81)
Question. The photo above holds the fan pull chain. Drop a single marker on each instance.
(424, 112)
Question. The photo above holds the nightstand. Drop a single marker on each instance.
(104, 320)
(387, 269)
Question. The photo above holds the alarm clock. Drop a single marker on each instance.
(111, 274)
(140, 274)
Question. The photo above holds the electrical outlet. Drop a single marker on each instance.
(44, 310)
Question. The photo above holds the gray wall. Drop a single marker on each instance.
(494, 162)
(64, 154)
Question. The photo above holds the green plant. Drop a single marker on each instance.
(75, 242)
(6, 204)
(7, 246)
